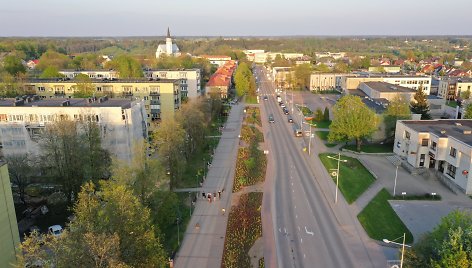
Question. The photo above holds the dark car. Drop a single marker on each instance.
(285, 111)
(289, 119)
(271, 118)
(266, 98)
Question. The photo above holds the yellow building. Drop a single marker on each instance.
(9, 236)
(161, 97)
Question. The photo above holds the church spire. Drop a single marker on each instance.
(168, 32)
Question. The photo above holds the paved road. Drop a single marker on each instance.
(308, 230)
(203, 247)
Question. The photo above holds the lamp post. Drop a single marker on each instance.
(337, 174)
(395, 183)
(309, 140)
(402, 245)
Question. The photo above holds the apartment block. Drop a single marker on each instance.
(191, 78)
(93, 74)
(221, 81)
(283, 77)
(386, 91)
(161, 97)
(9, 235)
(122, 122)
(442, 145)
(413, 82)
(451, 88)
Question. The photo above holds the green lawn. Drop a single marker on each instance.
(321, 124)
(371, 148)
(380, 220)
(354, 178)
(322, 135)
(251, 99)
(327, 91)
(330, 145)
(452, 103)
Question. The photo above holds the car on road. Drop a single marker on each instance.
(266, 98)
(271, 118)
(289, 119)
(285, 110)
(282, 105)
(55, 230)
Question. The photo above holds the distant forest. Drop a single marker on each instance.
(144, 47)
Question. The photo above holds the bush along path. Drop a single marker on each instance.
(244, 221)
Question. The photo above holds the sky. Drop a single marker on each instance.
(234, 17)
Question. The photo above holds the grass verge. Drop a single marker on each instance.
(251, 99)
(354, 178)
(244, 228)
(371, 148)
(380, 220)
(322, 135)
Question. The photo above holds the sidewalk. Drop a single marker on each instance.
(204, 238)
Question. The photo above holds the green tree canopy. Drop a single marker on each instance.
(302, 74)
(13, 65)
(242, 79)
(398, 109)
(420, 104)
(51, 72)
(55, 59)
(111, 229)
(84, 87)
(127, 66)
(352, 120)
(322, 68)
(468, 111)
(448, 245)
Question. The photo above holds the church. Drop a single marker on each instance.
(169, 48)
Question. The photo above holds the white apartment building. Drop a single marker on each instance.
(413, 82)
(218, 60)
(190, 77)
(93, 74)
(326, 81)
(451, 88)
(122, 122)
(260, 56)
(443, 145)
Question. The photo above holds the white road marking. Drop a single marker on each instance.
(285, 230)
(280, 230)
(301, 240)
(310, 233)
(296, 216)
(298, 228)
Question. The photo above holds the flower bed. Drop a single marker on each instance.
(244, 228)
(249, 132)
(250, 167)
(253, 116)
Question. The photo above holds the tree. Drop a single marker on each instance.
(144, 174)
(319, 115)
(322, 68)
(302, 75)
(127, 66)
(468, 111)
(341, 67)
(420, 104)
(21, 167)
(13, 65)
(111, 228)
(398, 109)
(84, 87)
(193, 122)
(326, 114)
(72, 153)
(55, 59)
(448, 245)
(242, 79)
(352, 120)
(169, 141)
(465, 94)
(51, 72)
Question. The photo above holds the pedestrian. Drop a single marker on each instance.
(223, 211)
(203, 195)
(219, 194)
(209, 197)
(214, 196)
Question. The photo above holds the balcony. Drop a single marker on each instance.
(127, 94)
(154, 93)
(59, 93)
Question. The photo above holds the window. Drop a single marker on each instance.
(407, 135)
(451, 170)
(453, 152)
(424, 142)
(41, 89)
(99, 89)
(422, 158)
(433, 145)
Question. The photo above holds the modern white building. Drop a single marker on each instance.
(441, 145)
(122, 122)
(413, 82)
(191, 77)
(382, 90)
(334, 55)
(169, 48)
(218, 60)
(326, 81)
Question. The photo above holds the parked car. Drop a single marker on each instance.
(55, 230)
(271, 118)
(289, 119)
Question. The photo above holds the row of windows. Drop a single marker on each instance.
(45, 118)
(425, 142)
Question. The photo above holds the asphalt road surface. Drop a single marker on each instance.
(306, 230)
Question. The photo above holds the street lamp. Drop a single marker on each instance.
(402, 245)
(395, 183)
(337, 174)
(309, 140)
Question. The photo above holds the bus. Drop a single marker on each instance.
(297, 131)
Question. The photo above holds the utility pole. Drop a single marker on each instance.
(337, 175)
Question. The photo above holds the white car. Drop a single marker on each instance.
(55, 230)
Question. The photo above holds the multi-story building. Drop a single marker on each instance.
(161, 97)
(221, 81)
(443, 145)
(326, 81)
(122, 122)
(283, 77)
(413, 82)
(334, 55)
(451, 88)
(386, 91)
(218, 60)
(93, 74)
(9, 235)
(190, 77)
(385, 69)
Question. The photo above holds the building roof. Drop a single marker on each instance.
(455, 128)
(387, 87)
(59, 102)
(128, 80)
(222, 76)
(216, 57)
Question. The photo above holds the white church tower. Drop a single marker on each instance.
(168, 48)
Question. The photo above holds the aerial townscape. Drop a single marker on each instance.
(205, 135)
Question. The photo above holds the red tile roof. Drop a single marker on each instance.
(222, 76)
